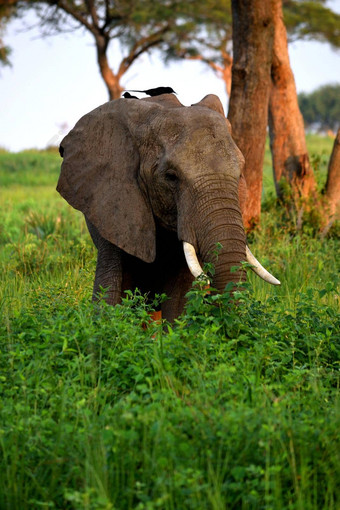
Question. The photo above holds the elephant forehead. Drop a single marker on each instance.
(216, 156)
(190, 118)
(203, 145)
(199, 127)
(202, 142)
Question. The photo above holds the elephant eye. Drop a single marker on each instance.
(171, 176)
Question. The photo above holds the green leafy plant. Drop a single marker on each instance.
(233, 406)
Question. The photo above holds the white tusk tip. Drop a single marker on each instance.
(260, 270)
(192, 261)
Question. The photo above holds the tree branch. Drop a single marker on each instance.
(74, 14)
(107, 14)
(141, 47)
(93, 13)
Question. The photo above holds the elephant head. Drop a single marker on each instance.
(149, 175)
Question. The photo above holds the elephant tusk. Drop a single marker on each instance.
(192, 260)
(260, 270)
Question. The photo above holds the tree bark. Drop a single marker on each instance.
(253, 32)
(332, 188)
(226, 70)
(286, 128)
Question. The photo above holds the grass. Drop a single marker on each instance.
(234, 407)
(319, 149)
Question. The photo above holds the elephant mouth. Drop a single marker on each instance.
(196, 269)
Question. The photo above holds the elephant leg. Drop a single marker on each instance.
(108, 272)
(109, 268)
(176, 289)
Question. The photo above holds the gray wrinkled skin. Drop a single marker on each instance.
(149, 174)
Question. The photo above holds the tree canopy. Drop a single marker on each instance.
(321, 108)
(7, 11)
(195, 29)
(208, 35)
(138, 25)
(312, 20)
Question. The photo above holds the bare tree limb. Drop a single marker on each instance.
(140, 47)
(92, 11)
(64, 6)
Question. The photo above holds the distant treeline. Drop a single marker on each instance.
(321, 108)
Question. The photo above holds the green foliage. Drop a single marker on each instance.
(29, 168)
(233, 406)
(6, 12)
(321, 108)
(312, 20)
(5, 52)
(204, 31)
(283, 214)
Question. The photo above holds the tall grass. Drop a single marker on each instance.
(234, 406)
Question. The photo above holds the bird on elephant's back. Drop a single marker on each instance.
(160, 185)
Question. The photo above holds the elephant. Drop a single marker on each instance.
(159, 184)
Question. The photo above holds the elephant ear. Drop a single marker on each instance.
(99, 177)
(213, 102)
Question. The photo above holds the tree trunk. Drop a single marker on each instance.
(253, 32)
(332, 188)
(226, 70)
(112, 80)
(286, 127)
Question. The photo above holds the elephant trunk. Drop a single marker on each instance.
(217, 235)
(217, 232)
(225, 248)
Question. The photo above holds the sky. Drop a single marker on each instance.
(54, 81)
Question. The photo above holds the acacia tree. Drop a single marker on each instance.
(209, 31)
(286, 128)
(311, 20)
(138, 25)
(209, 41)
(207, 38)
(253, 33)
(305, 20)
